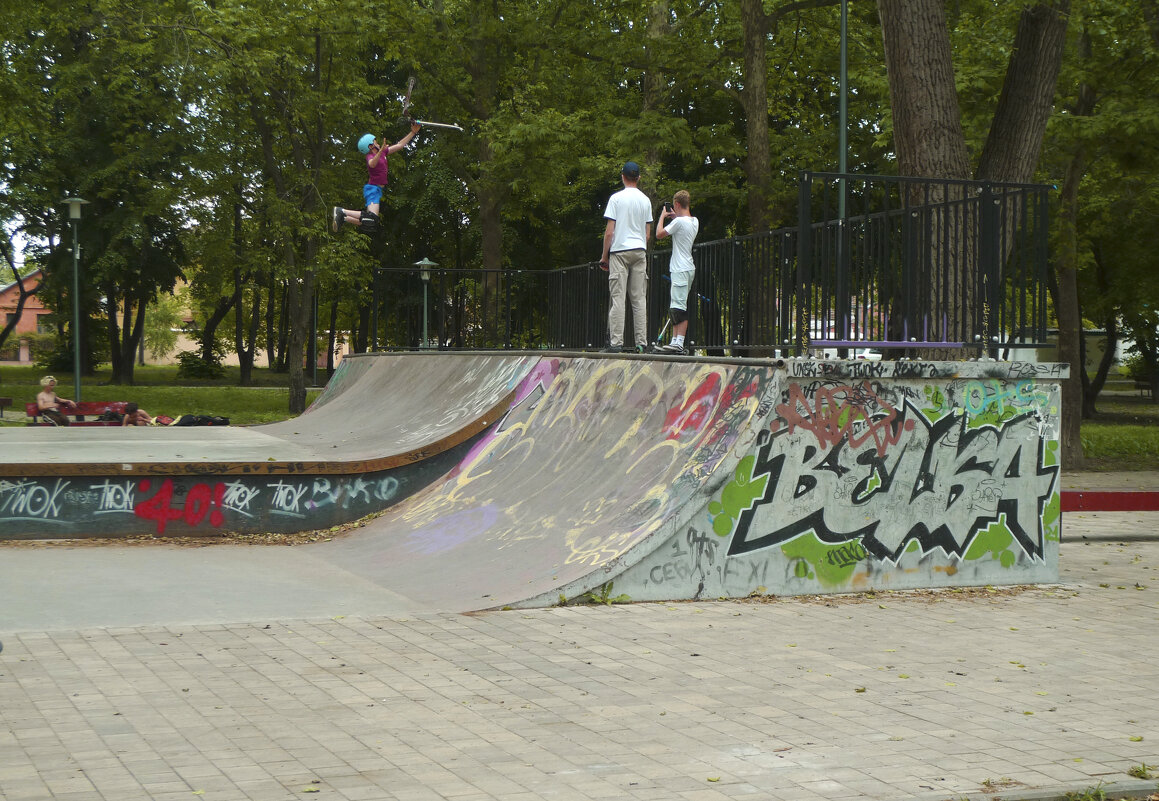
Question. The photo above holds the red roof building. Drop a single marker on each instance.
(33, 318)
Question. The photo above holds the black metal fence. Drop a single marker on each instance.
(883, 262)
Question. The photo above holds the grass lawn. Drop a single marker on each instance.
(1124, 435)
(159, 391)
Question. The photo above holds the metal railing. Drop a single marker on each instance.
(884, 262)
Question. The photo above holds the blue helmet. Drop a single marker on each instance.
(365, 142)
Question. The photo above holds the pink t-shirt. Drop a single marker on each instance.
(377, 174)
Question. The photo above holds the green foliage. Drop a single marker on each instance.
(161, 322)
(55, 354)
(214, 137)
(192, 365)
(38, 345)
(1136, 368)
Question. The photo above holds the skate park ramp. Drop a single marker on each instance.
(596, 461)
(647, 479)
(386, 425)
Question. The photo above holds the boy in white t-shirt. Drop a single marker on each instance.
(677, 222)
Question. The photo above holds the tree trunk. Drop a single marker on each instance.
(1092, 388)
(1066, 303)
(331, 339)
(755, 101)
(927, 123)
(1070, 323)
(491, 230)
(271, 328)
(209, 332)
(1015, 139)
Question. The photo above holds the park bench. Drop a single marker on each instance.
(4, 404)
(1143, 388)
(80, 412)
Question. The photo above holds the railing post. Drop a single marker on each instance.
(374, 310)
(988, 260)
(804, 259)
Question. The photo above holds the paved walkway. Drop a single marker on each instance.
(294, 690)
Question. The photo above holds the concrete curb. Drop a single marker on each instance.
(1112, 791)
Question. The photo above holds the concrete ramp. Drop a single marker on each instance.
(638, 479)
(386, 425)
(595, 464)
(535, 479)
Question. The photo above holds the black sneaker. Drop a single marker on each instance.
(337, 217)
(613, 349)
(640, 349)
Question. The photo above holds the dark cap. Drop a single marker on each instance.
(631, 169)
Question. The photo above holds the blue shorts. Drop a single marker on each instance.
(372, 193)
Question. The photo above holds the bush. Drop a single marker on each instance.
(1136, 367)
(191, 365)
(54, 354)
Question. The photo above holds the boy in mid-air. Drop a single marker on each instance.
(377, 168)
(677, 222)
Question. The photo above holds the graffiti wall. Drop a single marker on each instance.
(80, 506)
(880, 475)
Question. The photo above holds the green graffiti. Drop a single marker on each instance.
(740, 494)
(1052, 519)
(832, 565)
(995, 542)
(937, 406)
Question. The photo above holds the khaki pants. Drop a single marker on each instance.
(628, 270)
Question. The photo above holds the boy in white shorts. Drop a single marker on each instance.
(677, 222)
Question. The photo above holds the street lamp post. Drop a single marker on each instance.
(74, 207)
(425, 266)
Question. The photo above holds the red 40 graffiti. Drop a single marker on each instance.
(201, 501)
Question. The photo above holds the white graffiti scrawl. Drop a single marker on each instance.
(115, 497)
(31, 500)
(938, 483)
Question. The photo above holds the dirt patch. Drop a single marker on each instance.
(928, 596)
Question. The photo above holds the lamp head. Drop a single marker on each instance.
(425, 266)
(74, 204)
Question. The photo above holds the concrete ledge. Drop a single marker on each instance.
(1112, 791)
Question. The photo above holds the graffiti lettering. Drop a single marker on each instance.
(201, 501)
(701, 548)
(941, 487)
(847, 555)
(237, 497)
(286, 498)
(114, 497)
(980, 396)
(845, 413)
(30, 500)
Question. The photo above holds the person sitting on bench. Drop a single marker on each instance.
(49, 403)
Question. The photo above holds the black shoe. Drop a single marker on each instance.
(613, 349)
(640, 349)
(337, 217)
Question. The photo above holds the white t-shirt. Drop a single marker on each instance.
(683, 231)
(632, 211)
